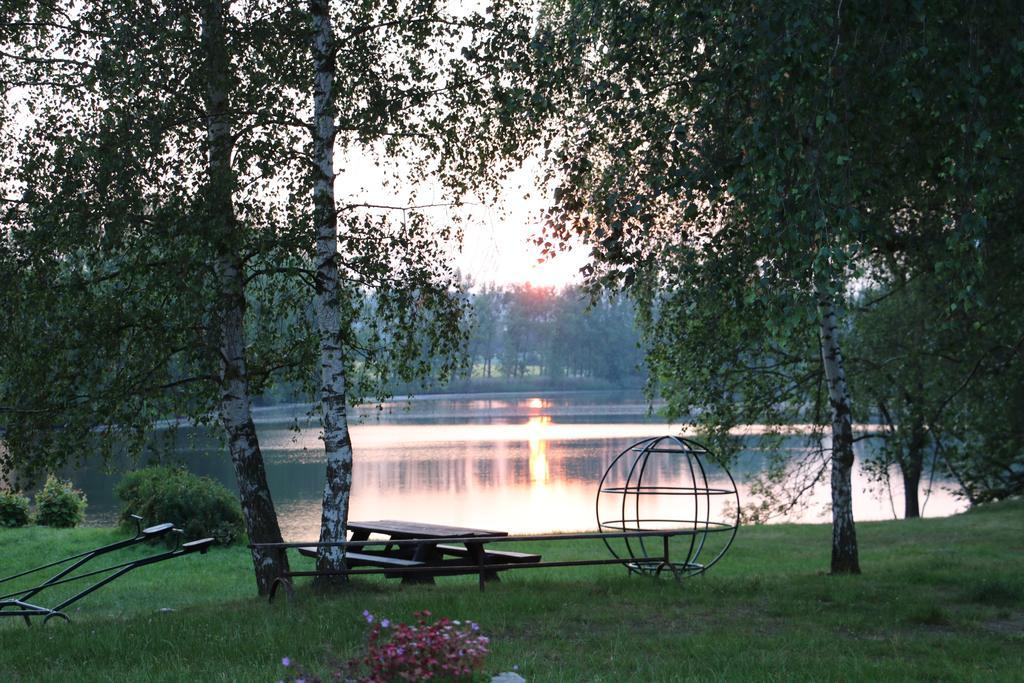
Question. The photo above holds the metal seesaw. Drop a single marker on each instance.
(18, 601)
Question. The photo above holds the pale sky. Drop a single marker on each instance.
(497, 246)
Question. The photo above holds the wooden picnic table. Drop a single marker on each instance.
(428, 547)
(421, 546)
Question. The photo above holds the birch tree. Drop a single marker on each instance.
(727, 232)
(430, 89)
(136, 249)
(337, 441)
(739, 169)
(235, 406)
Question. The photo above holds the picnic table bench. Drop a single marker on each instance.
(367, 559)
(427, 549)
(416, 544)
(415, 552)
(491, 556)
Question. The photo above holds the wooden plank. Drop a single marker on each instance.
(402, 529)
(507, 555)
(363, 558)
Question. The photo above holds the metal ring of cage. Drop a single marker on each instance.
(695, 486)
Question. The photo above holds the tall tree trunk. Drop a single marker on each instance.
(911, 500)
(911, 466)
(844, 535)
(235, 406)
(337, 442)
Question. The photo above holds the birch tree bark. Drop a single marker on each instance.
(844, 535)
(337, 441)
(235, 407)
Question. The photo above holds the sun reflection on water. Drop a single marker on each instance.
(540, 472)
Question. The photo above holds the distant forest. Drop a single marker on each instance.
(526, 335)
(527, 338)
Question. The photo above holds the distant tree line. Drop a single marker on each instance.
(523, 331)
(514, 336)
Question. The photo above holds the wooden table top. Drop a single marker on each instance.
(401, 529)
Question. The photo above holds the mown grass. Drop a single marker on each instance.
(939, 599)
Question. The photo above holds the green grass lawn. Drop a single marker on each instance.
(939, 599)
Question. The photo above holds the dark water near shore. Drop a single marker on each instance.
(518, 462)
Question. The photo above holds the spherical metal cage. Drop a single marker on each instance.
(668, 483)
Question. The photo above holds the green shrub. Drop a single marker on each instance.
(199, 506)
(13, 509)
(59, 504)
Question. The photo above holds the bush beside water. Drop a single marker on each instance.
(199, 506)
(59, 504)
(13, 510)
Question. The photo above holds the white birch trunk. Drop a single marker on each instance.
(844, 535)
(337, 442)
(235, 407)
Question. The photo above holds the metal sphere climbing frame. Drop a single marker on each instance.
(668, 482)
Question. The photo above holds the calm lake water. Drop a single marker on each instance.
(517, 462)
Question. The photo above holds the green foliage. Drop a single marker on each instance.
(727, 166)
(901, 364)
(118, 311)
(716, 203)
(59, 504)
(114, 299)
(945, 382)
(14, 510)
(199, 506)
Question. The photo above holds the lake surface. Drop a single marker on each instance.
(516, 462)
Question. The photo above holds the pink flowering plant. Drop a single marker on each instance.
(443, 650)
